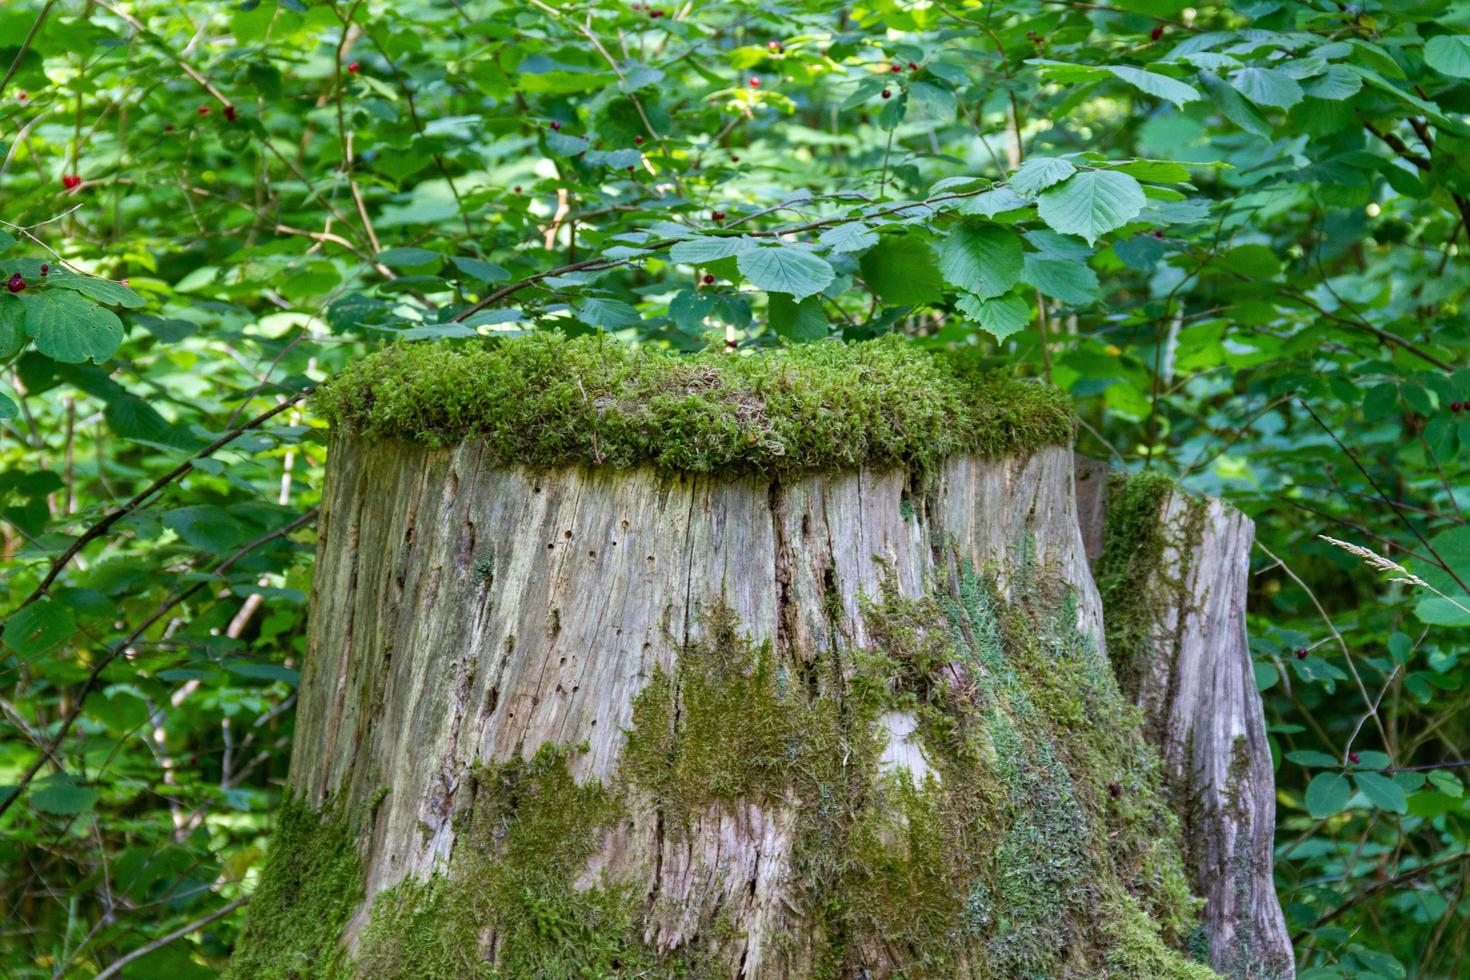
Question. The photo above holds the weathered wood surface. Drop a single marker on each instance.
(1205, 717)
(463, 613)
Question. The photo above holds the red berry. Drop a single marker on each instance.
(655, 13)
(353, 67)
(16, 283)
(555, 125)
(896, 69)
(1156, 33)
(230, 113)
(755, 83)
(774, 46)
(638, 140)
(1301, 653)
(734, 158)
(44, 269)
(913, 67)
(709, 280)
(887, 94)
(630, 169)
(23, 95)
(1352, 757)
(71, 181)
(717, 216)
(517, 188)
(204, 110)
(1455, 406)
(168, 127)
(1158, 234)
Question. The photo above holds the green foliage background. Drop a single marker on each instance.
(1234, 233)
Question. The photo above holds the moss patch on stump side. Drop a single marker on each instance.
(1037, 845)
(548, 400)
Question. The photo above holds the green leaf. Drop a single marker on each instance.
(853, 236)
(710, 248)
(1267, 86)
(985, 260)
(992, 202)
(1447, 783)
(1327, 794)
(264, 672)
(1233, 107)
(59, 795)
(102, 290)
(1449, 54)
(1337, 83)
(690, 308)
(205, 527)
(485, 272)
(1063, 279)
(795, 321)
(70, 328)
(39, 628)
(8, 408)
(1039, 173)
(7, 241)
(785, 269)
(1000, 317)
(1313, 758)
(12, 326)
(1158, 85)
(933, 100)
(902, 270)
(408, 258)
(1091, 204)
(607, 314)
(1382, 792)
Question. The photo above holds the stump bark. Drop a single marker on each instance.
(593, 720)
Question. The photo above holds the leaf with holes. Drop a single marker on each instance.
(70, 328)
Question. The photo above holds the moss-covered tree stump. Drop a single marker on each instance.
(788, 665)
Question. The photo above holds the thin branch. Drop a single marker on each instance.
(116, 965)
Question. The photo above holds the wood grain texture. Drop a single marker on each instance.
(1205, 717)
(463, 614)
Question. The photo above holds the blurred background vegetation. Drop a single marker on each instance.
(1233, 232)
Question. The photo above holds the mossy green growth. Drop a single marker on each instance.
(549, 400)
(1036, 843)
(1135, 543)
(310, 885)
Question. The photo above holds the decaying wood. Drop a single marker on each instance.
(463, 614)
(1204, 715)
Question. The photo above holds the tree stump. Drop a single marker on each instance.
(1174, 570)
(829, 698)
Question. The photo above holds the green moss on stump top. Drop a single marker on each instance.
(550, 400)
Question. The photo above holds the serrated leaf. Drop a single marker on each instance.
(1039, 173)
(1158, 85)
(710, 248)
(564, 145)
(992, 202)
(985, 260)
(1327, 794)
(39, 628)
(795, 321)
(1449, 54)
(902, 270)
(1267, 86)
(1382, 792)
(102, 290)
(1336, 83)
(933, 100)
(785, 269)
(61, 796)
(1063, 279)
(854, 236)
(607, 314)
(1233, 107)
(1091, 204)
(689, 309)
(999, 317)
(70, 328)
